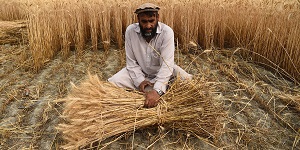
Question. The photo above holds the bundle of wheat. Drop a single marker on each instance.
(96, 110)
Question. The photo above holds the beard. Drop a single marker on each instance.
(151, 34)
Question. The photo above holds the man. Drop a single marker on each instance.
(149, 46)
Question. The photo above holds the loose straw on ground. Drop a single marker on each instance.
(96, 110)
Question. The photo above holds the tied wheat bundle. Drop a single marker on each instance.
(96, 110)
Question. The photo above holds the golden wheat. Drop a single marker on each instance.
(96, 110)
(269, 29)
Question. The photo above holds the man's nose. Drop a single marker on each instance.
(148, 25)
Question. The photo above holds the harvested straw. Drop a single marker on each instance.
(96, 110)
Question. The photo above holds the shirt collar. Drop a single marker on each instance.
(138, 30)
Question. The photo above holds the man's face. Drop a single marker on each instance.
(148, 25)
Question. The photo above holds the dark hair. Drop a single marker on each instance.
(148, 13)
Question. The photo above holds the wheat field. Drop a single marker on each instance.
(248, 50)
(266, 31)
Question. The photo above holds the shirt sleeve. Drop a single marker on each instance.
(167, 59)
(135, 71)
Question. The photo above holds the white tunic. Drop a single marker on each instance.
(153, 61)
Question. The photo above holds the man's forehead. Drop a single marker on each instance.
(144, 16)
(148, 15)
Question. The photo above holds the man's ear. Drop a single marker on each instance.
(158, 16)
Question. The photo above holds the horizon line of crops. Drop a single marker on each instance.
(268, 31)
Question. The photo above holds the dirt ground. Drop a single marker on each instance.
(262, 107)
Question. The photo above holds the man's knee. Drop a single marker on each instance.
(111, 80)
(179, 72)
(122, 79)
(116, 79)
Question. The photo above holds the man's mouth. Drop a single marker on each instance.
(148, 34)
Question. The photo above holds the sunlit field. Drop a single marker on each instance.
(266, 31)
(248, 51)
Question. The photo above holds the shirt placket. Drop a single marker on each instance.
(148, 56)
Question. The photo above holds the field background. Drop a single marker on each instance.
(249, 49)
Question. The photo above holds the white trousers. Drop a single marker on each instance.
(122, 78)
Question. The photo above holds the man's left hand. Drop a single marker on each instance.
(152, 99)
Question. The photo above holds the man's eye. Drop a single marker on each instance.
(144, 21)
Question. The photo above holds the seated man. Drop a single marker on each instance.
(149, 46)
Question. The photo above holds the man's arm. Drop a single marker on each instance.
(165, 72)
(135, 71)
(167, 59)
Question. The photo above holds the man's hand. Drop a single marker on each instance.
(143, 85)
(152, 99)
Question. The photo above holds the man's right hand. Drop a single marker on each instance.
(144, 84)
